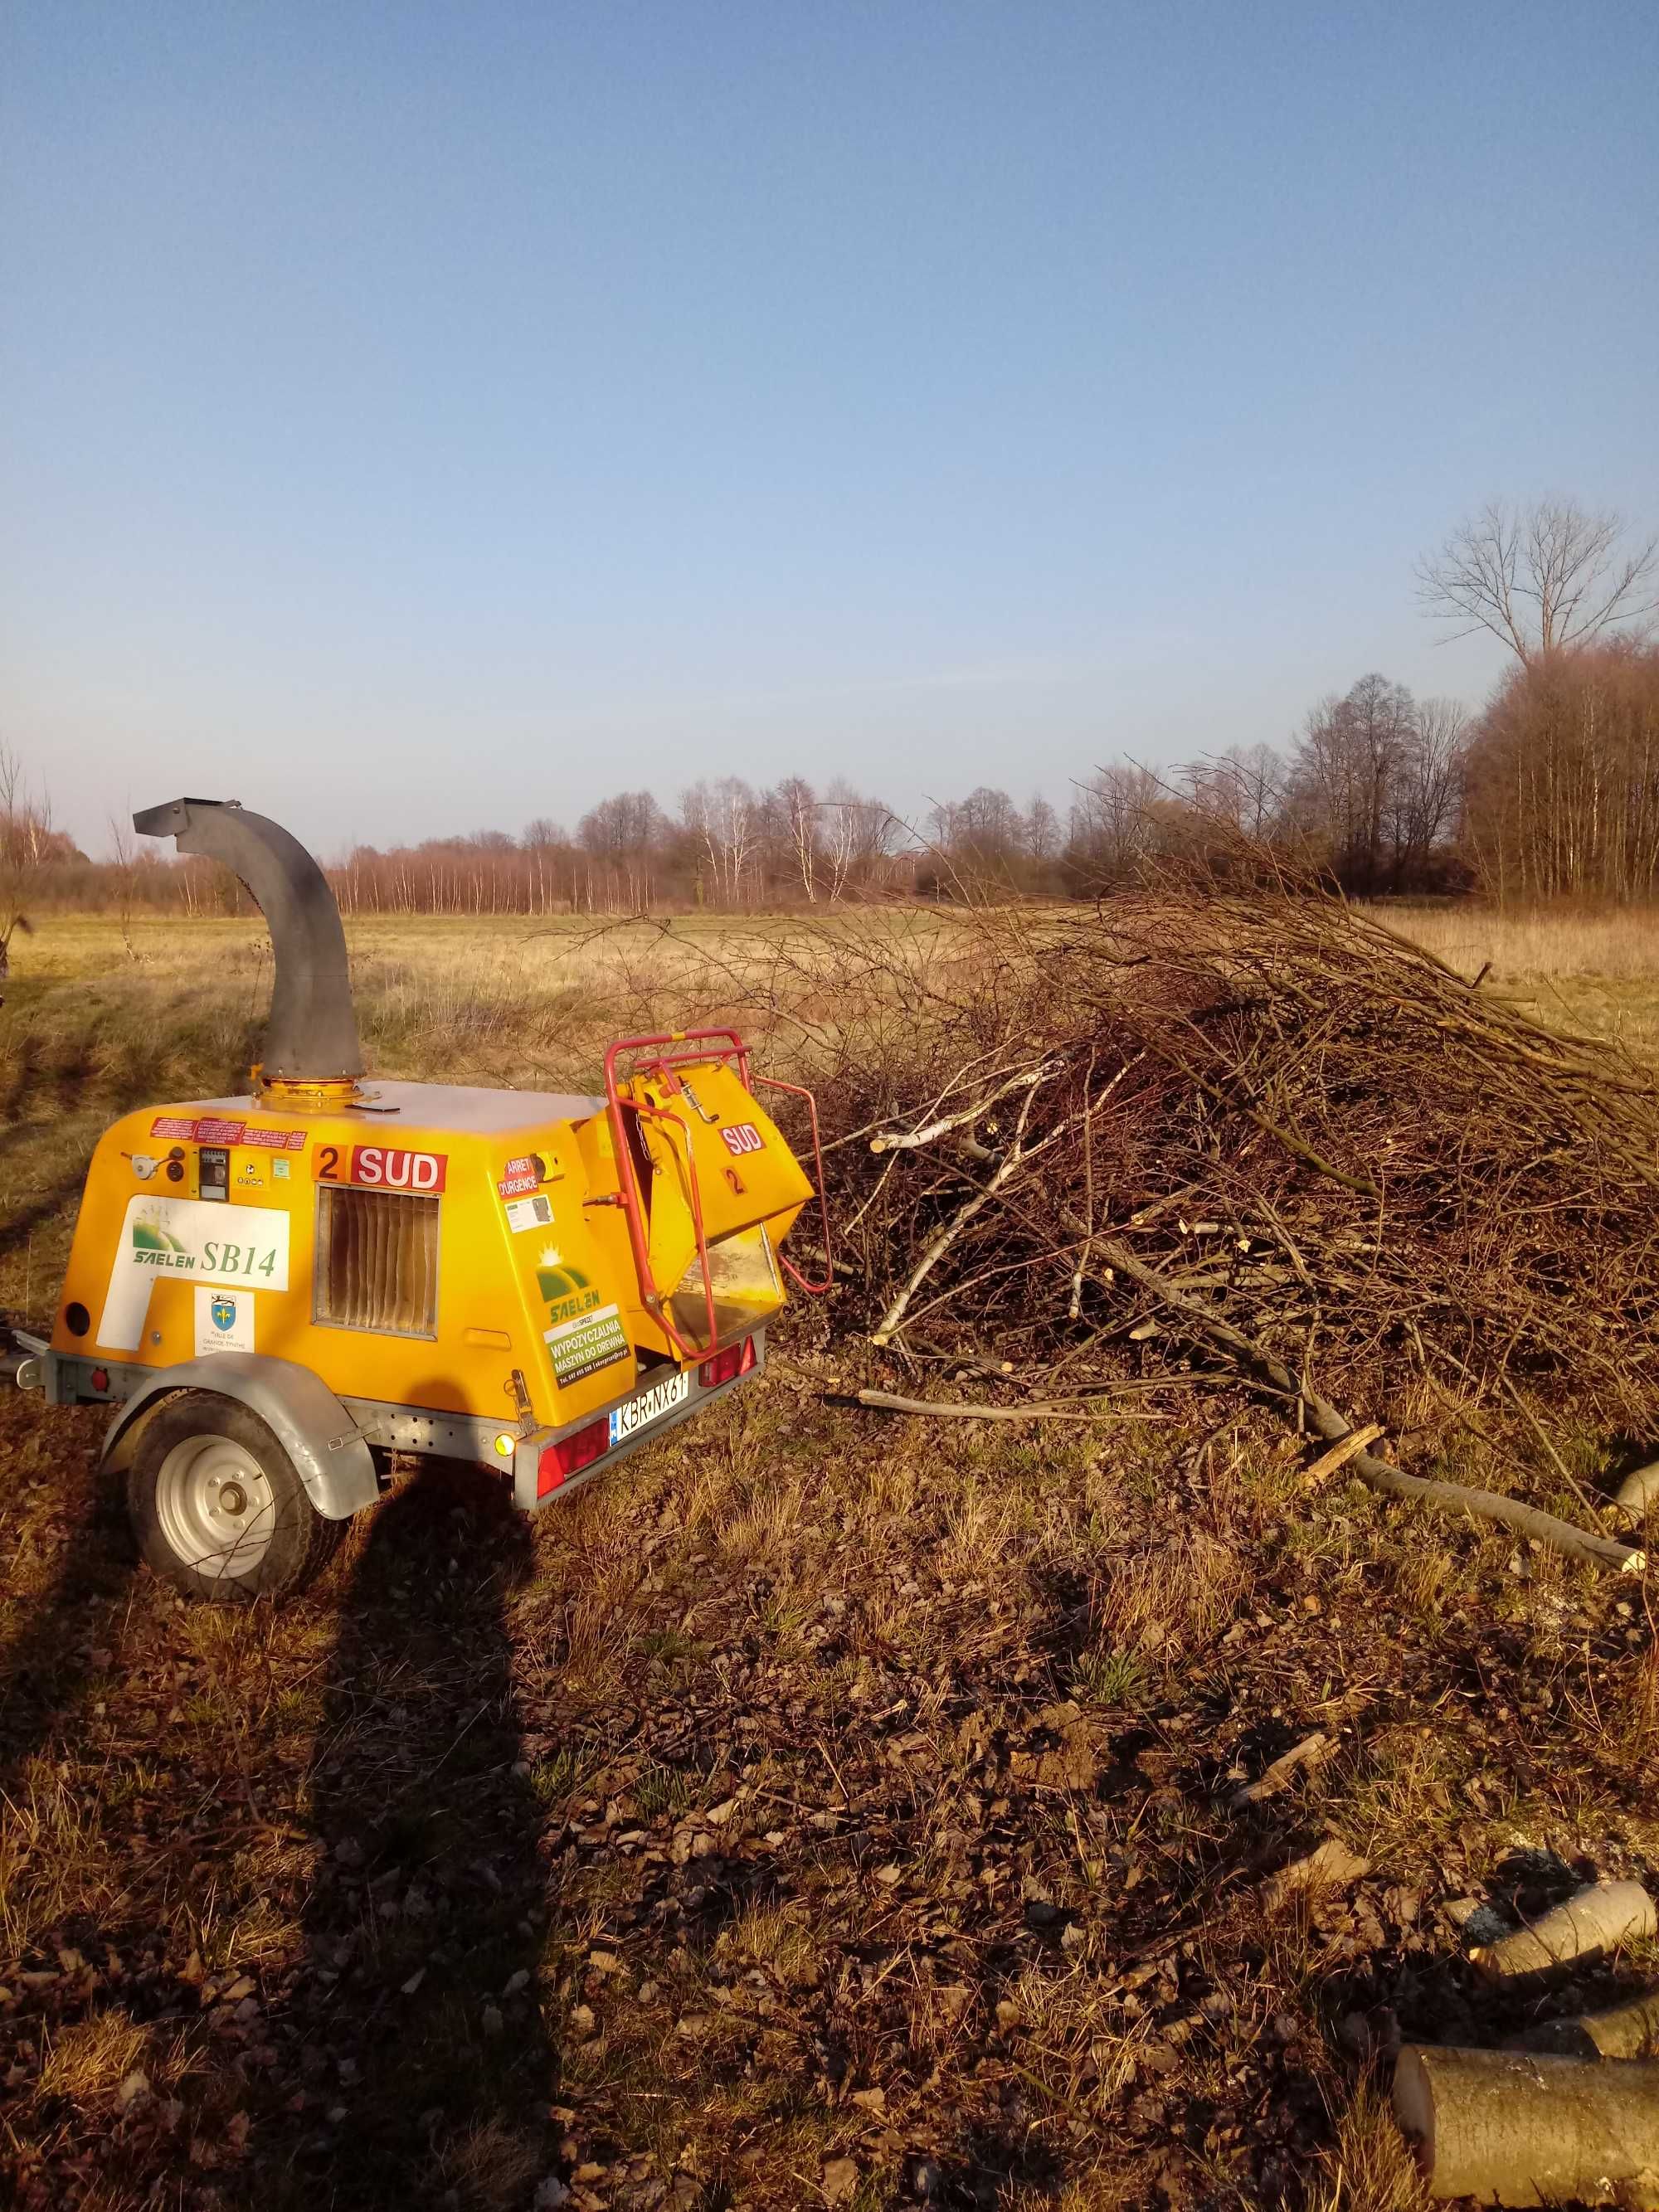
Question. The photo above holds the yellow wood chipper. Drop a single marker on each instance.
(279, 1292)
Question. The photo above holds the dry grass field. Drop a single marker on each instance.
(819, 1809)
(1594, 973)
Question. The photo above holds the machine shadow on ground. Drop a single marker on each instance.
(412, 2060)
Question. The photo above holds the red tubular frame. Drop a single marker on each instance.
(812, 1290)
(732, 1048)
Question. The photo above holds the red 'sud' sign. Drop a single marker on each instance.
(382, 1167)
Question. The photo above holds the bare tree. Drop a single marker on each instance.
(619, 837)
(725, 816)
(540, 842)
(1540, 581)
(1042, 830)
(1346, 773)
(26, 845)
(1562, 783)
(797, 808)
(987, 829)
(1243, 786)
(125, 856)
(1427, 795)
(1115, 823)
(861, 836)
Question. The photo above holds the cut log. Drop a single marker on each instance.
(1586, 1925)
(1626, 2030)
(1509, 2127)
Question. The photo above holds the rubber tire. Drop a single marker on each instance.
(301, 1543)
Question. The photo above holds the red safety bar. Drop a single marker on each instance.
(694, 1045)
(813, 1289)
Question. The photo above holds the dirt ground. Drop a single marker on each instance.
(822, 1807)
(815, 1805)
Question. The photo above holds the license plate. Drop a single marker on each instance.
(626, 1420)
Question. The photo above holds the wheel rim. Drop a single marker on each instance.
(215, 1506)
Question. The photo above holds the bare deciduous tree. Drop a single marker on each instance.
(1347, 768)
(1563, 798)
(26, 845)
(1540, 581)
(1424, 803)
(1042, 830)
(797, 808)
(1115, 823)
(725, 818)
(1243, 786)
(860, 835)
(620, 836)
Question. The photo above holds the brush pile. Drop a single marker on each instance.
(1245, 1132)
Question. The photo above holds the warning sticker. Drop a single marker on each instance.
(524, 1213)
(212, 1129)
(520, 1175)
(273, 1140)
(582, 1346)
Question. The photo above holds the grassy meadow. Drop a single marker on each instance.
(823, 1808)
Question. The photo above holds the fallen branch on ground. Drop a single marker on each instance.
(1376, 1473)
(887, 1402)
(1340, 1454)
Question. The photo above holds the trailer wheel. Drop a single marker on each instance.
(217, 1507)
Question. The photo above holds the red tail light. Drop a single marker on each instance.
(726, 1366)
(559, 1462)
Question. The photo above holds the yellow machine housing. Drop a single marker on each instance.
(279, 1292)
(432, 1249)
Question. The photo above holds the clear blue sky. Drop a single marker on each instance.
(422, 417)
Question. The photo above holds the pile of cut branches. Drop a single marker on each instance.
(1240, 1131)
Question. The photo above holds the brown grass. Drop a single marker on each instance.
(1597, 972)
(811, 1755)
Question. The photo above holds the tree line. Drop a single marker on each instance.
(1550, 791)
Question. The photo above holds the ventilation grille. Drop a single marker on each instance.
(377, 1261)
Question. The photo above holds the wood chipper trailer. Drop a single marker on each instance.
(278, 1293)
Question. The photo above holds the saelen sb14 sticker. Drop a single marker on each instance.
(243, 1247)
(381, 1167)
(584, 1335)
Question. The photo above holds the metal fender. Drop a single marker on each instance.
(331, 1453)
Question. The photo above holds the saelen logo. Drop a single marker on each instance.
(567, 1289)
